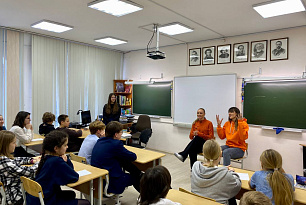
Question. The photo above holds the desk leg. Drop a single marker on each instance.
(304, 161)
(91, 193)
(100, 190)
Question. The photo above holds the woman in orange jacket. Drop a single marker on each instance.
(201, 131)
(235, 130)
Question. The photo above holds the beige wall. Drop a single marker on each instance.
(13, 76)
(169, 138)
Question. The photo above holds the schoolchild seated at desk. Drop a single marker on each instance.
(74, 142)
(110, 154)
(47, 125)
(97, 130)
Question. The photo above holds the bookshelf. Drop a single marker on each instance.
(125, 95)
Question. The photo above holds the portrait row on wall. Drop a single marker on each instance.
(258, 52)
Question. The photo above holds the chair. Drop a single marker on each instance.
(188, 192)
(77, 158)
(141, 132)
(3, 200)
(240, 160)
(32, 188)
(116, 196)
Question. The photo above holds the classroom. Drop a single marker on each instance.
(63, 73)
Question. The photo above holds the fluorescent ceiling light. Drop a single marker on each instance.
(174, 29)
(51, 26)
(115, 7)
(277, 8)
(110, 41)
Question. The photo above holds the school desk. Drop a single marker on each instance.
(91, 184)
(145, 158)
(299, 194)
(86, 132)
(187, 199)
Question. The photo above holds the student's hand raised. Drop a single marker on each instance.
(218, 120)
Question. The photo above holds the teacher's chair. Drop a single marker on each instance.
(32, 188)
(141, 132)
(240, 160)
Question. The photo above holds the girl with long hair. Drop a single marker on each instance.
(111, 110)
(154, 187)
(272, 179)
(54, 170)
(11, 168)
(235, 130)
(201, 130)
(23, 130)
(209, 180)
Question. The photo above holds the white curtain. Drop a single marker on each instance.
(48, 78)
(91, 72)
(2, 73)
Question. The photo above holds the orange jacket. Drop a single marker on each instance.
(205, 129)
(234, 138)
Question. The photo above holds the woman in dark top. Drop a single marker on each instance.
(47, 125)
(111, 110)
(55, 170)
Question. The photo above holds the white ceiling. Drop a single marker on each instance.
(210, 19)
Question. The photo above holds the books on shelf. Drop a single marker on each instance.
(128, 88)
(119, 87)
(123, 100)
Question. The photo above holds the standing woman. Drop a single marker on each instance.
(111, 110)
(23, 131)
(2, 127)
(201, 131)
(235, 130)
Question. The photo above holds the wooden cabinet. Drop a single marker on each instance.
(124, 94)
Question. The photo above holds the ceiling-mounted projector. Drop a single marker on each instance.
(157, 54)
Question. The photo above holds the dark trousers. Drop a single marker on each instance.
(21, 152)
(135, 173)
(194, 147)
(232, 201)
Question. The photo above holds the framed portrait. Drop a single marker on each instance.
(208, 55)
(194, 56)
(224, 53)
(279, 49)
(259, 50)
(241, 52)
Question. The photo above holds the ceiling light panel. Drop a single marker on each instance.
(110, 41)
(277, 8)
(115, 7)
(174, 29)
(51, 26)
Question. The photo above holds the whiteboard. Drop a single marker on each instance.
(215, 93)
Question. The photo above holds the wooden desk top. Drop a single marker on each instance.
(187, 199)
(36, 136)
(144, 156)
(299, 194)
(95, 173)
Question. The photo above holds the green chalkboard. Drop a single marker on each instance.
(276, 103)
(152, 99)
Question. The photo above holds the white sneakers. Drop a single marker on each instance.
(180, 157)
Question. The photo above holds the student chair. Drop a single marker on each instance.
(3, 201)
(32, 188)
(141, 132)
(189, 192)
(240, 160)
(115, 196)
(77, 158)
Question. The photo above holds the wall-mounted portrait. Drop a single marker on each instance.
(259, 50)
(208, 55)
(279, 49)
(241, 52)
(194, 56)
(224, 54)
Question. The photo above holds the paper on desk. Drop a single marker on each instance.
(83, 172)
(38, 139)
(244, 176)
(125, 135)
